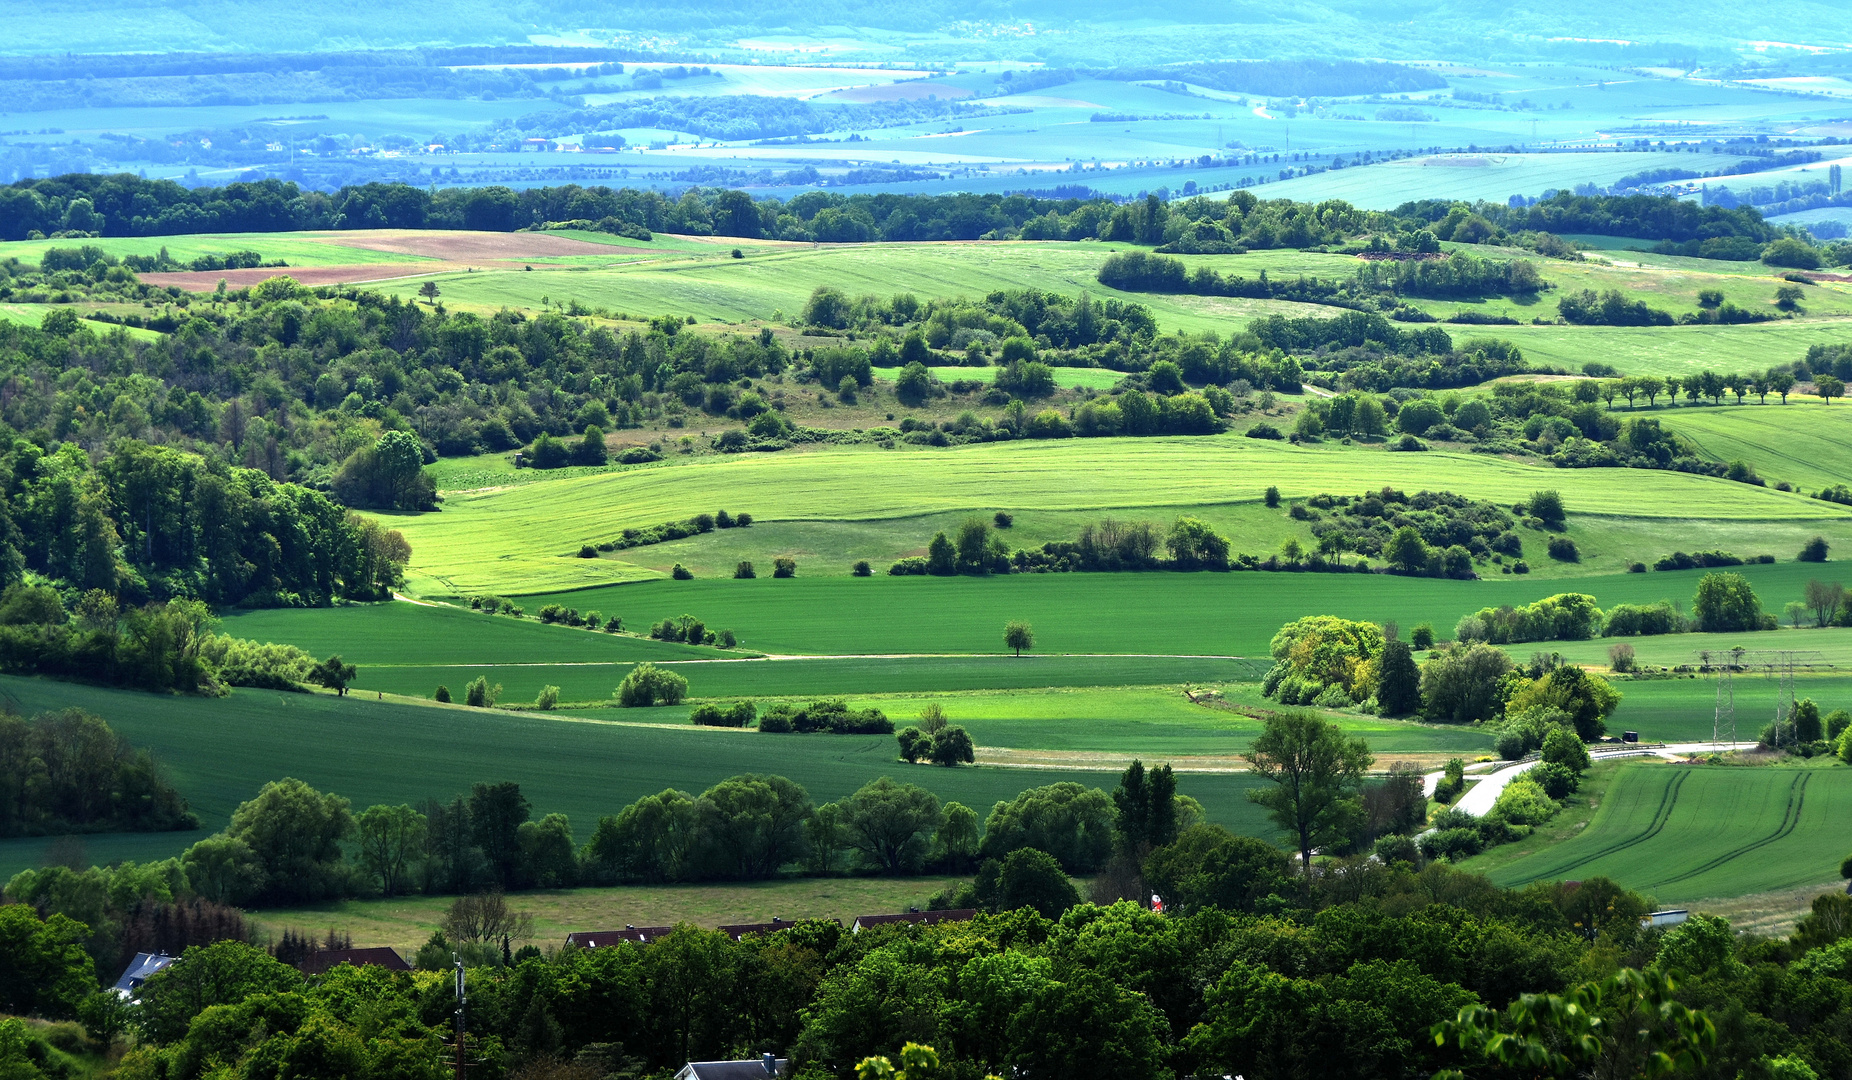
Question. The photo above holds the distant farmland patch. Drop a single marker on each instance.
(203, 281)
(912, 90)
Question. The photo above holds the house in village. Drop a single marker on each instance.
(760, 1068)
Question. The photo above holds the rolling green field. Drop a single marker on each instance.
(522, 540)
(1682, 710)
(399, 633)
(794, 677)
(1812, 449)
(219, 752)
(696, 277)
(1833, 645)
(297, 249)
(1234, 614)
(1681, 833)
(771, 282)
(1676, 350)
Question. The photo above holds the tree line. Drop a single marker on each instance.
(145, 523)
(1460, 275)
(83, 204)
(67, 772)
(1255, 965)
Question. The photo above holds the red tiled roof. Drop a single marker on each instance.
(380, 956)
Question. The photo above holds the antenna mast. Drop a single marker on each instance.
(462, 1069)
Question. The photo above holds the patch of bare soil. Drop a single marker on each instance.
(468, 247)
(204, 281)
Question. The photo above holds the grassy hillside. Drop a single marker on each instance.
(1193, 618)
(523, 539)
(1684, 833)
(1812, 449)
(219, 752)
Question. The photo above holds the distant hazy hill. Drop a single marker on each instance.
(1403, 30)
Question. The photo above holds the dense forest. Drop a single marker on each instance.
(82, 205)
(1409, 966)
(67, 772)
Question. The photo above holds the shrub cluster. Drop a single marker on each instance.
(692, 631)
(676, 530)
(831, 717)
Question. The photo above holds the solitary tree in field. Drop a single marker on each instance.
(1019, 636)
(1315, 772)
(333, 674)
(1828, 388)
(429, 291)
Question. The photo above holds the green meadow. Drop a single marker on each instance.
(1132, 618)
(524, 539)
(810, 676)
(219, 752)
(1810, 446)
(297, 249)
(1683, 833)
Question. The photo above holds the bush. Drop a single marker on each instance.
(1564, 747)
(1423, 636)
(442, 695)
(548, 699)
(1620, 658)
(738, 715)
(861, 568)
(1557, 781)
(648, 685)
(778, 720)
(1451, 843)
(1523, 802)
(681, 573)
(1814, 550)
(1452, 781)
(1726, 603)
(784, 567)
(1563, 549)
(743, 570)
(914, 744)
(1395, 849)
(1264, 430)
(952, 746)
(1273, 497)
(1003, 519)
(1408, 443)
(1547, 507)
(587, 551)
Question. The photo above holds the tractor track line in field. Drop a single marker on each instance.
(1791, 818)
(1661, 815)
